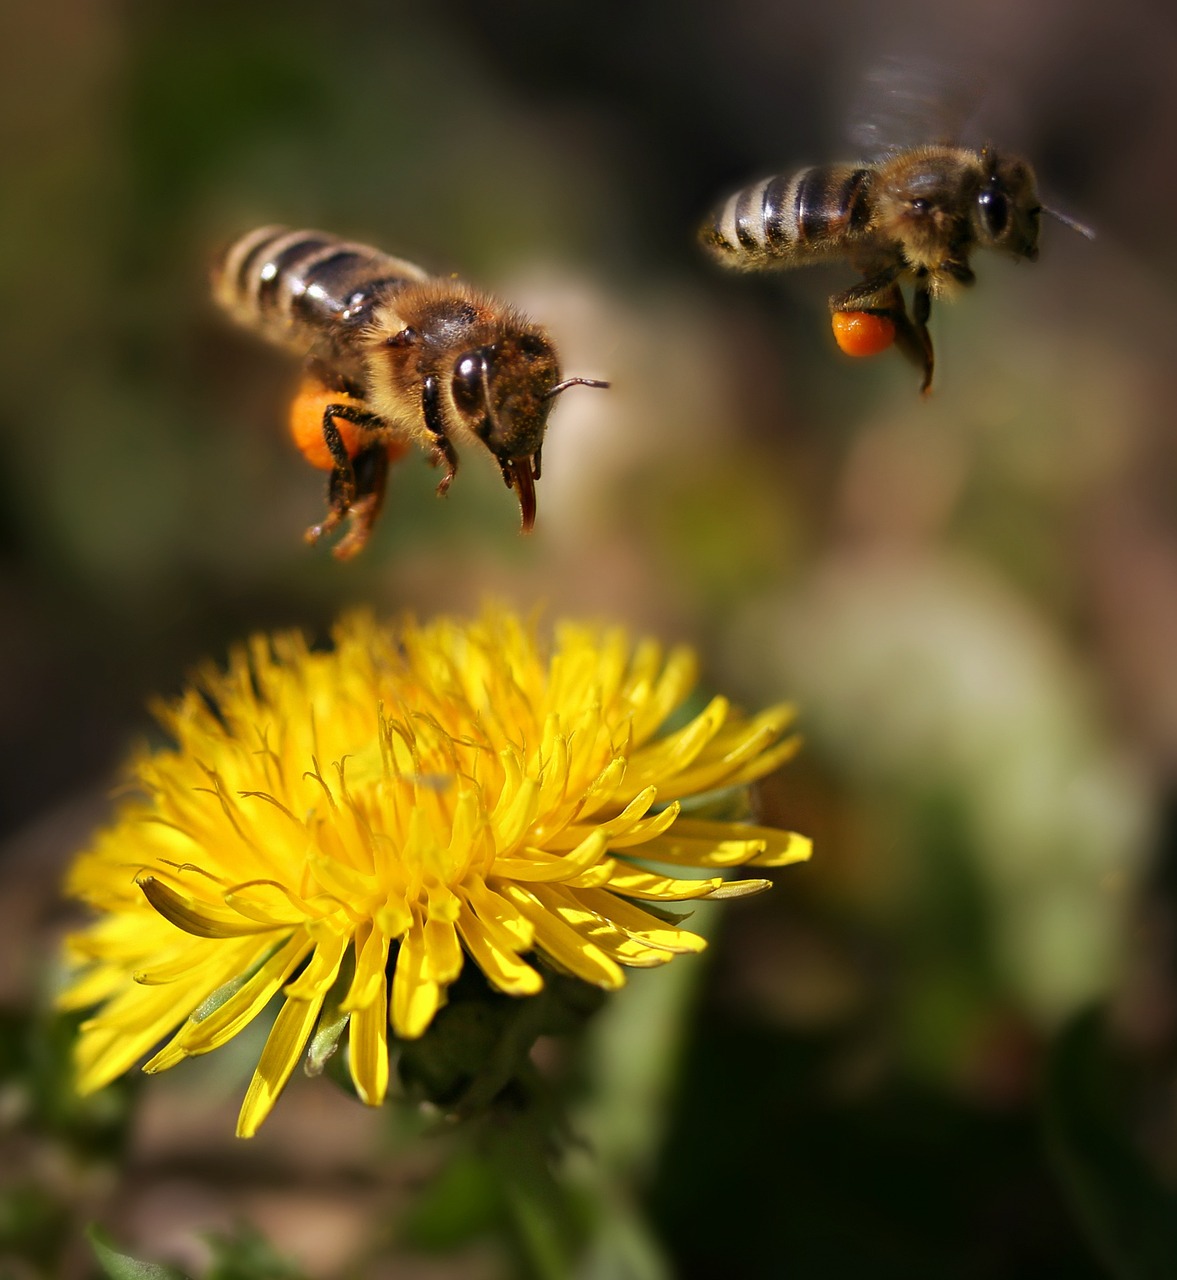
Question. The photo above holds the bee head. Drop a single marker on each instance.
(502, 393)
(474, 370)
(1006, 209)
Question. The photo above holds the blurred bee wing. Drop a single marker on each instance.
(906, 101)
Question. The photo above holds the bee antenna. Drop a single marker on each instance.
(1069, 222)
(573, 382)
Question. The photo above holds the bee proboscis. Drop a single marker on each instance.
(392, 356)
(912, 218)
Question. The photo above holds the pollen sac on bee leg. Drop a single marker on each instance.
(863, 333)
(306, 424)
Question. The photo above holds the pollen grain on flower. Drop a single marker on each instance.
(350, 827)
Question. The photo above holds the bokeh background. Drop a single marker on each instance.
(945, 1048)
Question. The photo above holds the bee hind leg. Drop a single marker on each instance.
(341, 489)
(371, 477)
(919, 349)
(338, 506)
(881, 296)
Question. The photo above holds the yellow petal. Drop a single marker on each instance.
(199, 918)
(514, 816)
(284, 1046)
(443, 949)
(367, 1045)
(671, 755)
(267, 902)
(569, 949)
(92, 987)
(644, 884)
(371, 959)
(640, 924)
(733, 843)
(613, 828)
(534, 864)
(501, 965)
(751, 758)
(499, 918)
(677, 680)
(415, 995)
(138, 1019)
(243, 1006)
(603, 789)
(675, 849)
(316, 979)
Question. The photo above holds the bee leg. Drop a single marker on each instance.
(371, 476)
(443, 452)
(881, 296)
(921, 309)
(341, 489)
(336, 512)
(875, 293)
(912, 336)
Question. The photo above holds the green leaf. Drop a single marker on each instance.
(117, 1266)
(1130, 1219)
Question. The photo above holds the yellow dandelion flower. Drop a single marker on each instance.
(350, 827)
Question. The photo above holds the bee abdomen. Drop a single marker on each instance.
(296, 286)
(793, 218)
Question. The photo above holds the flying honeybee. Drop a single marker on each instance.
(392, 356)
(914, 217)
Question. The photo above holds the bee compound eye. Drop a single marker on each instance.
(994, 211)
(467, 383)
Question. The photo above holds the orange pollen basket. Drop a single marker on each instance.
(863, 333)
(306, 426)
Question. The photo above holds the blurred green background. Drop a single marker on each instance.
(945, 1048)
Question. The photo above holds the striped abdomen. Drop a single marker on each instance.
(307, 290)
(790, 220)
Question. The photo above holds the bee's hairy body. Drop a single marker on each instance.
(914, 217)
(399, 355)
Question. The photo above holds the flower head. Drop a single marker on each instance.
(351, 827)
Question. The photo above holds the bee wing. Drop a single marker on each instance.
(907, 101)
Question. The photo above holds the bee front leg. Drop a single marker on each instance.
(443, 450)
(444, 453)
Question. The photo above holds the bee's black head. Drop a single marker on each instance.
(1007, 209)
(502, 393)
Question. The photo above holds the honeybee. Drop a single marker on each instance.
(392, 357)
(914, 217)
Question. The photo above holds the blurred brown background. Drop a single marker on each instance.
(973, 598)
